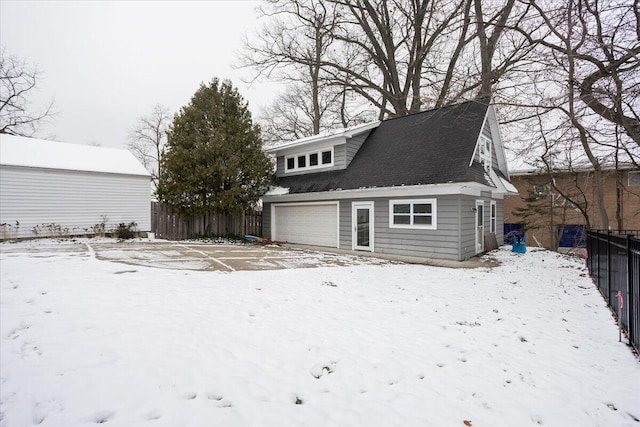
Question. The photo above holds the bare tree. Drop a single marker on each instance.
(291, 115)
(290, 48)
(18, 81)
(586, 85)
(393, 43)
(395, 56)
(599, 43)
(147, 139)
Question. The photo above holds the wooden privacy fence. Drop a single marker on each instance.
(614, 264)
(166, 223)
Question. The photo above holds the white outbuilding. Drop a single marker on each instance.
(52, 188)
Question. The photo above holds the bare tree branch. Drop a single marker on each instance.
(18, 81)
(148, 137)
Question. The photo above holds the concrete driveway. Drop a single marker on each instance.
(219, 257)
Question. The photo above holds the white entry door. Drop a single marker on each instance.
(362, 222)
(479, 226)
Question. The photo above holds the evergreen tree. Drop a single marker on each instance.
(214, 159)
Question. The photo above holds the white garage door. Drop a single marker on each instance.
(309, 224)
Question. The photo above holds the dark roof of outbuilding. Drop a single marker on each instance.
(430, 147)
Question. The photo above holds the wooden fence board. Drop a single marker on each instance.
(166, 223)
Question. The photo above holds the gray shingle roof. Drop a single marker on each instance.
(430, 147)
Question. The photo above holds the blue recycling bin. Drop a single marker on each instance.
(518, 246)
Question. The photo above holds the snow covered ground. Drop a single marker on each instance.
(85, 341)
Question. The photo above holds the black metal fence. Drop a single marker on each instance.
(614, 263)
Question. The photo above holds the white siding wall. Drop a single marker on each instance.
(50, 201)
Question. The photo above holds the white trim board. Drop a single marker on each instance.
(467, 188)
(335, 138)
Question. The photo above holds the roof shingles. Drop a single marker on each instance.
(431, 147)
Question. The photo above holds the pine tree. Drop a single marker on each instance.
(214, 159)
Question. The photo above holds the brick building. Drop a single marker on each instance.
(551, 221)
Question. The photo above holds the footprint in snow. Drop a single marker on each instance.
(14, 334)
(214, 397)
(29, 350)
(154, 415)
(103, 416)
(190, 396)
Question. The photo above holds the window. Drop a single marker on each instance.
(493, 216)
(419, 213)
(484, 150)
(326, 157)
(634, 179)
(312, 160)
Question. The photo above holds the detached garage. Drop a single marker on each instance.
(306, 223)
(51, 188)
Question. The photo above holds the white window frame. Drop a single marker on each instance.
(484, 152)
(411, 203)
(493, 215)
(307, 156)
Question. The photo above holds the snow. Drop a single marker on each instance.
(86, 341)
(277, 191)
(38, 153)
(509, 186)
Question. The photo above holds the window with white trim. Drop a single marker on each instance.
(484, 152)
(494, 212)
(310, 160)
(413, 213)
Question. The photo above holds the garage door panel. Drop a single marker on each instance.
(307, 224)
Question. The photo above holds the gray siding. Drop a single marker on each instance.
(500, 222)
(346, 235)
(353, 145)
(280, 166)
(266, 220)
(454, 238)
(41, 202)
(467, 227)
(468, 222)
(340, 157)
(441, 243)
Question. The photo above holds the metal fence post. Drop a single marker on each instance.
(609, 267)
(630, 292)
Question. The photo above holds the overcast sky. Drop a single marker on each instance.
(108, 62)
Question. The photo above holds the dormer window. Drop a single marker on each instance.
(327, 157)
(310, 160)
(484, 150)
